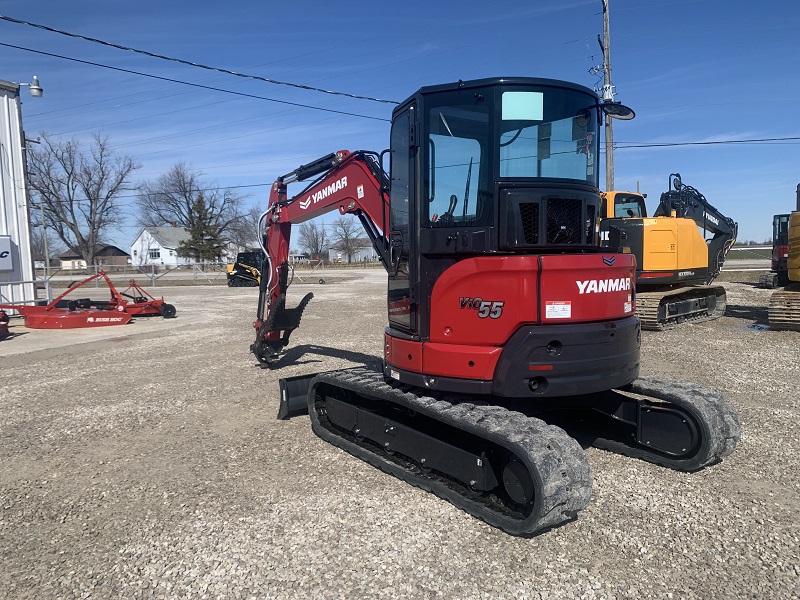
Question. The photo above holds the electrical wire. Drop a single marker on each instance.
(197, 85)
(710, 143)
(193, 64)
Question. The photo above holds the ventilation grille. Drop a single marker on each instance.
(529, 217)
(564, 221)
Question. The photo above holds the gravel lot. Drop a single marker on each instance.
(145, 461)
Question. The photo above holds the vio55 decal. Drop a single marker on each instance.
(492, 309)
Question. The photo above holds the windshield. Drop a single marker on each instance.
(548, 134)
(628, 206)
(510, 132)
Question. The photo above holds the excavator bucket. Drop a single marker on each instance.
(282, 321)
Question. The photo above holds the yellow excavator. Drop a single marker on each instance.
(679, 252)
(784, 305)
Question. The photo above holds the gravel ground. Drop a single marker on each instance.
(146, 461)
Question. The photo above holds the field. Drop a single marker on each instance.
(146, 461)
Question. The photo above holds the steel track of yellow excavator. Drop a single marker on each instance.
(784, 309)
(666, 309)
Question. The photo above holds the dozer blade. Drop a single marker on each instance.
(663, 310)
(294, 396)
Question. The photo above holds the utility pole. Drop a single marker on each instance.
(608, 96)
(44, 238)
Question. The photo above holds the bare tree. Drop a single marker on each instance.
(79, 190)
(311, 237)
(54, 246)
(347, 235)
(171, 198)
(244, 231)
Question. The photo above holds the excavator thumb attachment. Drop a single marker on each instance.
(282, 322)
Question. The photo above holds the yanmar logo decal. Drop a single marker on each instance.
(602, 286)
(610, 260)
(324, 193)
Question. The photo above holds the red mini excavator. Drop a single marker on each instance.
(504, 315)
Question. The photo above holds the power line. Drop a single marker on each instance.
(197, 85)
(619, 146)
(192, 64)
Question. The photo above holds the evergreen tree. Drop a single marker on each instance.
(204, 243)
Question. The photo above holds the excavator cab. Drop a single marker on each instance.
(493, 183)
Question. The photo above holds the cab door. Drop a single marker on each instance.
(401, 302)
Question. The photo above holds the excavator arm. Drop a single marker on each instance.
(684, 201)
(352, 182)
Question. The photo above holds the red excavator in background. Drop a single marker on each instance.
(502, 308)
(784, 305)
(778, 275)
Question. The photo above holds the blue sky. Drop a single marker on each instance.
(693, 70)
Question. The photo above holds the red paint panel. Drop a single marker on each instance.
(403, 354)
(464, 362)
(481, 301)
(65, 319)
(585, 287)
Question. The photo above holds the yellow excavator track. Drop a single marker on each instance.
(784, 309)
(666, 309)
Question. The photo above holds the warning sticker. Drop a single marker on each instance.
(360, 191)
(628, 307)
(558, 309)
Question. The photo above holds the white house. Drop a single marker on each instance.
(364, 253)
(159, 246)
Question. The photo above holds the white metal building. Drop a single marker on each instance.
(16, 262)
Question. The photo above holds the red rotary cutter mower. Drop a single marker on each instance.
(63, 313)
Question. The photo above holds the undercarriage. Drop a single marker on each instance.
(784, 309)
(665, 309)
(510, 463)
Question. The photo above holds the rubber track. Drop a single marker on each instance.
(648, 303)
(784, 309)
(241, 282)
(718, 422)
(561, 472)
